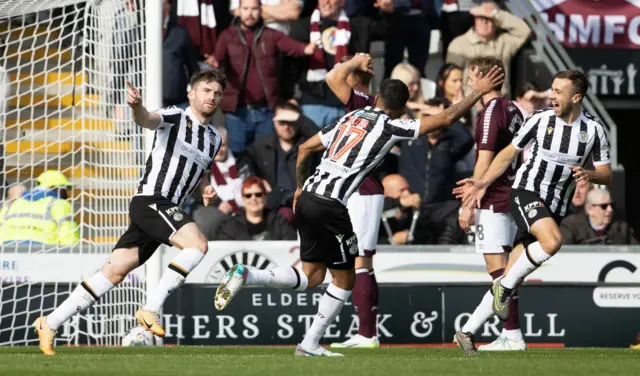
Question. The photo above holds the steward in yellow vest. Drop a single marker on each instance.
(42, 215)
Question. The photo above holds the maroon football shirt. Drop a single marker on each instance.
(370, 185)
(497, 123)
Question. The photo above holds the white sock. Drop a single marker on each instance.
(82, 297)
(181, 265)
(328, 308)
(483, 312)
(288, 277)
(530, 260)
(512, 334)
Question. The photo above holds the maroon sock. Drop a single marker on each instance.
(374, 301)
(496, 274)
(513, 321)
(362, 300)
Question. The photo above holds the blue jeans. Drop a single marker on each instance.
(322, 115)
(245, 125)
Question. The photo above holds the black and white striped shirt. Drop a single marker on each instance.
(182, 151)
(556, 147)
(356, 144)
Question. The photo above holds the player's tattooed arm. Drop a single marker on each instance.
(481, 86)
(303, 163)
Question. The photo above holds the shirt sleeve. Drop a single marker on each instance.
(601, 154)
(169, 116)
(526, 133)
(404, 129)
(488, 126)
(327, 133)
(358, 100)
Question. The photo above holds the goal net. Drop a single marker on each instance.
(62, 99)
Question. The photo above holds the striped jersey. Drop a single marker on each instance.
(356, 144)
(182, 151)
(556, 146)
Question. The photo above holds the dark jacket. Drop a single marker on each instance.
(232, 53)
(363, 31)
(261, 161)
(179, 62)
(235, 228)
(576, 229)
(422, 163)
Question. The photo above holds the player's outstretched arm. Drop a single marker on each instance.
(141, 116)
(481, 86)
(303, 163)
(337, 77)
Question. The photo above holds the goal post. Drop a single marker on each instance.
(62, 107)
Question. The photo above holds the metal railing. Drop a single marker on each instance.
(555, 58)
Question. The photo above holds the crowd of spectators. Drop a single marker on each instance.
(276, 55)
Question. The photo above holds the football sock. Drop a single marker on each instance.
(530, 260)
(363, 301)
(513, 334)
(82, 297)
(328, 308)
(513, 321)
(287, 277)
(181, 265)
(481, 314)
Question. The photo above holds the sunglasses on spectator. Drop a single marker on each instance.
(605, 205)
(251, 194)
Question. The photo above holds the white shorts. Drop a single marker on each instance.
(366, 213)
(494, 231)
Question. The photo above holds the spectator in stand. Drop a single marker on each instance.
(399, 205)
(530, 98)
(408, 74)
(42, 215)
(199, 18)
(449, 84)
(226, 179)
(276, 14)
(255, 222)
(579, 198)
(248, 52)
(179, 60)
(273, 157)
(434, 176)
(339, 35)
(455, 20)
(414, 21)
(496, 33)
(596, 225)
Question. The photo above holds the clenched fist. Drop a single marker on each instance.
(209, 195)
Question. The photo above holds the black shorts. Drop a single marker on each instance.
(154, 220)
(527, 208)
(326, 234)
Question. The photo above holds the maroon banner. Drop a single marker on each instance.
(593, 23)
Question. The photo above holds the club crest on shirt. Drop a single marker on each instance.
(583, 136)
(329, 40)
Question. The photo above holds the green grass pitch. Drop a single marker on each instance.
(279, 361)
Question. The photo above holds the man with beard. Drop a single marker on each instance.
(248, 53)
(184, 146)
(563, 140)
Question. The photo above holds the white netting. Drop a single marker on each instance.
(63, 64)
